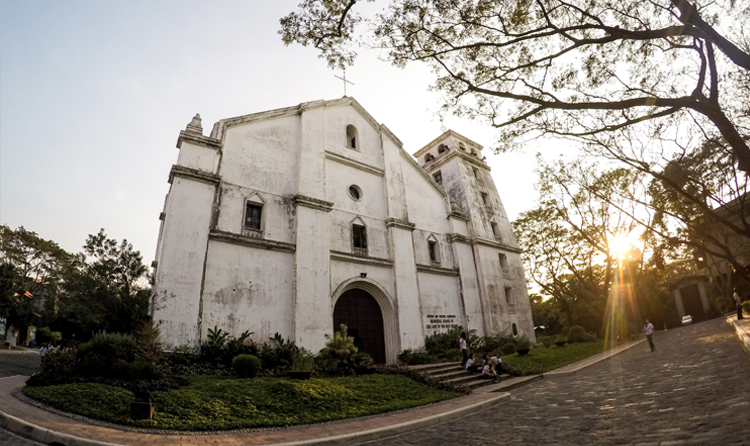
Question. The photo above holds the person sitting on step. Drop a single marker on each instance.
(471, 364)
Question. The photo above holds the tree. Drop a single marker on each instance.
(40, 263)
(15, 306)
(107, 290)
(31, 267)
(568, 253)
(576, 68)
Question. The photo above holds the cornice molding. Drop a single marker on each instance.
(198, 139)
(347, 257)
(253, 242)
(193, 174)
(495, 244)
(400, 224)
(443, 158)
(353, 163)
(445, 135)
(458, 216)
(312, 203)
(459, 238)
(437, 270)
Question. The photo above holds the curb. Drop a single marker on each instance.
(47, 436)
(43, 435)
(744, 337)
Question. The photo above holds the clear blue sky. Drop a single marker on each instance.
(94, 93)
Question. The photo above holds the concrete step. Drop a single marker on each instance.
(434, 368)
(454, 373)
(471, 378)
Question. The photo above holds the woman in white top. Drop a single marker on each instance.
(462, 346)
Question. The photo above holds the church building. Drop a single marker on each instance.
(300, 219)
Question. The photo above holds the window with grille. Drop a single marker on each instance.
(433, 247)
(252, 216)
(359, 238)
(438, 178)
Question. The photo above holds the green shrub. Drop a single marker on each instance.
(453, 354)
(303, 361)
(576, 334)
(148, 336)
(45, 334)
(338, 354)
(589, 337)
(545, 340)
(246, 366)
(363, 364)
(494, 342)
(439, 343)
(423, 358)
(508, 349)
(561, 339)
(406, 356)
(107, 355)
(523, 343)
(277, 358)
(746, 307)
(140, 369)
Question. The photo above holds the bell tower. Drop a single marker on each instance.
(456, 163)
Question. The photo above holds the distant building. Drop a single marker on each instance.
(299, 219)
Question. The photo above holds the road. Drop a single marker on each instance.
(11, 364)
(694, 389)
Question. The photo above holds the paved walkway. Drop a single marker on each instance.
(693, 390)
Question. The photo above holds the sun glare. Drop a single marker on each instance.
(620, 245)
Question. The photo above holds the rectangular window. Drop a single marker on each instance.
(485, 199)
(503, 261)
(359, 237)
(433, 246)
(495, 230)
(252, 216)
(508, 295)
(476, 173)
(438, 178)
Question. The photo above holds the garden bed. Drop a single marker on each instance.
(213, 403)
(545, 359)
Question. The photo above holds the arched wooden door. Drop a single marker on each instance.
(361, 314)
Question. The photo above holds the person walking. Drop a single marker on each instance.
(650, 334)
(462, 346)
(738, 303)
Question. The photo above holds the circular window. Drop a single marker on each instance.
(355, 192)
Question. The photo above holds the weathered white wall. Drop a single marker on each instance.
(180, 265)
(368, 150)
(262, 155)
(242, 293)
(198, 157)
(440, 295)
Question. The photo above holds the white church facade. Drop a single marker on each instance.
(299, 219)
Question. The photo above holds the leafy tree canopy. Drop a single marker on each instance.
(576, 68)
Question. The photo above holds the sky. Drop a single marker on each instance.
(93, 96)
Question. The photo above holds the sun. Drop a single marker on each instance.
(620, 245)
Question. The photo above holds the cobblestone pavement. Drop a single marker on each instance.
(18, 363)
(693, 390)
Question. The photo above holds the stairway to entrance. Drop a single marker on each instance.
(452, 372)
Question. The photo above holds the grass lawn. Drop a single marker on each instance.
(545, 359)
(215, 403)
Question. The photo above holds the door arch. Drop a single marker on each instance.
(361, 313)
